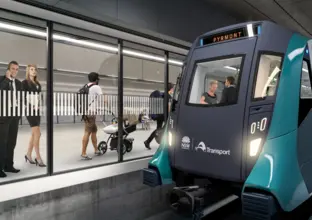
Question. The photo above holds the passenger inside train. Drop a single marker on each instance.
(220, 82)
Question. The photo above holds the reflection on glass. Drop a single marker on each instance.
(22, 111)
(268, 74)
(215, 82)
(306, 92)
(141, 79)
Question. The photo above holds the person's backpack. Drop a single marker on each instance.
(82, 100)
(155, 105)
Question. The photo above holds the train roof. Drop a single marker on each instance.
(266, 29)
(239, 25)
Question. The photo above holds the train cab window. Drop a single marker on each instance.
(305, 103)
(267, 77)
(216, 82)
(306, 92)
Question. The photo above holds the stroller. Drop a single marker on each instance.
(112, 140)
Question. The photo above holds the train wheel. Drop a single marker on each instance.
(102, 147)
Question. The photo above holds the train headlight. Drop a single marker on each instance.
(254, 147)
(170, 138)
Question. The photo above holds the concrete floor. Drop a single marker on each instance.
(67, 149)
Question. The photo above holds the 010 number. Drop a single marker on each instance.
(258, 125)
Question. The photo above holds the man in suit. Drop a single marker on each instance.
(9, 118)
(229, 94)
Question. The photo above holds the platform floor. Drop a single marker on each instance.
(67, 149)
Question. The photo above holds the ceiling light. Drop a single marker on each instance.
(143, 55)
(177, 62)
(85, 43)
(305, 70)
(22, 29)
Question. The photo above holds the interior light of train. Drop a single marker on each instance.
(305, 70)
(254, 147)
(250, 30)
(231, 68)
(84, 43)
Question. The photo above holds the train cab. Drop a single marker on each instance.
(241, 118)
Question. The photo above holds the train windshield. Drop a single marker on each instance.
(177, 88)
(267, 77)
(216, 82)
(212, 77)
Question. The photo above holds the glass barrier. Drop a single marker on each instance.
(83, 66)
(23, 146)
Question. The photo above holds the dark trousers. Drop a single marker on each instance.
(8, 134)
(153, 134)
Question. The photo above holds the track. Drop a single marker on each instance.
(232, 211)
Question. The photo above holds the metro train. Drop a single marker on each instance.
(255, 147)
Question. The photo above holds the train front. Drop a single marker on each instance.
(223, 110)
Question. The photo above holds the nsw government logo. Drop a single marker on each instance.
(186, 143)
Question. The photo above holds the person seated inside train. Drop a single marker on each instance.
(210, 97)
(229, 94)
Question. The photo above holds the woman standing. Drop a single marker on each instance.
(32, 88)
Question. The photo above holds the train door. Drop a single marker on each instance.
(260, 104)
(209, 135)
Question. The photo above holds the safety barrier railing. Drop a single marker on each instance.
(73, 105)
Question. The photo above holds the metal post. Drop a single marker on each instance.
(120, 101)
(166, 81)
(50, 97)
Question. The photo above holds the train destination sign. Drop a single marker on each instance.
(224, 36)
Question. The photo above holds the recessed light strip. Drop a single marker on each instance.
(84, 43)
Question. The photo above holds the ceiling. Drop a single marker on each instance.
(294, 14)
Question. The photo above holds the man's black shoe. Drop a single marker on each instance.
(2, 174)
(11, 170)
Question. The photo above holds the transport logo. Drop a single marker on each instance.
(186, 143)
(201, 146)
(219, 152)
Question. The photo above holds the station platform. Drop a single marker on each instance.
(67, 149)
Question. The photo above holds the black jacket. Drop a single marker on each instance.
(30, 87)
(5, 86)
(229, 95)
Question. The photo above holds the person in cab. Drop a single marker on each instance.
(229, 94)
(210, 97)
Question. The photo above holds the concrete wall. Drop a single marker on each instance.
(121, 197)
(182, 19)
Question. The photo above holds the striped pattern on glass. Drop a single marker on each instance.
(22, 103)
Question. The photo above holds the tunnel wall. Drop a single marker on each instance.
(118, 197)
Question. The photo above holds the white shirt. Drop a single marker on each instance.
(94, 101)
(14, 101)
